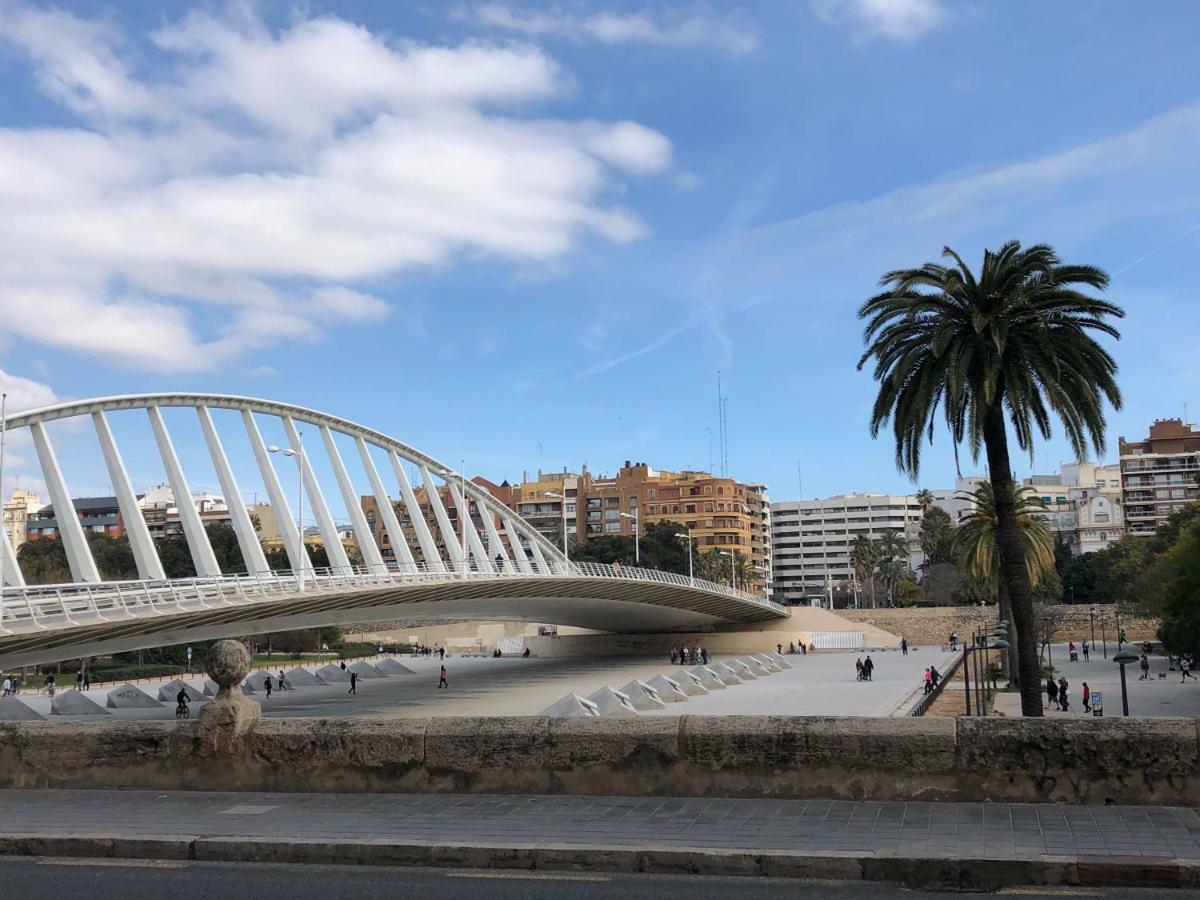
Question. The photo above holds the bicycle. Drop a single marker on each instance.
(182, 711)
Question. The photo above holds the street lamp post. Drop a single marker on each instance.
(732, 570)
(691, 572)
(980, 642)
(1122, 658)
(301, 551)
(637, 536)
(1092, 623)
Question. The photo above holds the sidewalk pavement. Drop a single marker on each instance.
(960, 845)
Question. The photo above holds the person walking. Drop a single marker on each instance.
(858, 665)
(1087, 691)
(904, 646)
(343, 665)
(441, 652)
(442, 679)
(1064, 696)
(934, 675)
(868, 668)
(779, 649)
(1144, 665)
(269, 685)
(703, 656)
(928, 680)
(1185, 667)
(7, 686)
(353, 683)
(79, 680)
(1085, 647)
(674, 654)
(1051, 692)
(1074, 654)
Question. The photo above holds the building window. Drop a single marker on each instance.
(708, 507)
(650, 493)
(720, 492)
(708, 490)
(690, 508)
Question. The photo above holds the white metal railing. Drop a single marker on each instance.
(55, 607)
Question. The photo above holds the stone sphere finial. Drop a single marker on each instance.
(228, 664)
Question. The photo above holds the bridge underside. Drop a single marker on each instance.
(602, 604)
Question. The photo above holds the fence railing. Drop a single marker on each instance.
(927, 700)
(40, 607)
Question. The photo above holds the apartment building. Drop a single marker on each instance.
(20, 507)
(99, 515)
(811, 542)
(721, 513)
(1158, 474)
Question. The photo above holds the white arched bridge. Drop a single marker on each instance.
(498, 569)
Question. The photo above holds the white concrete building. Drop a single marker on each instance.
(811, 542)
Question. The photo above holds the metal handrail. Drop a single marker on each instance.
(28, 605)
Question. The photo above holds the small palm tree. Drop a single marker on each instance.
(1011, 347)
(925, 500)
(891, 561)
(977, 547)
(863, 557)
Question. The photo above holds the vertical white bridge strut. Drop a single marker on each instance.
(247, 537)
(482, 563)
(387, 514)
(193, 529)
(145, 554)
(296, 551)
(451, 540)
(338, 561)
(518, 549)
(429, 549)
(79, 554)
(372, 558)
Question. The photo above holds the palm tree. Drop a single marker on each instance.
(925, 500)
(863, 557)
(891, 554)
(713, 565)
(1014, 343)
(977, 547)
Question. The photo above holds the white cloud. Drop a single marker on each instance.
(247, 189)
(25, 393)
(670, 27)
(900, 20)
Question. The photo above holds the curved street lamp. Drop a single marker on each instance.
(301, 550)
(688, 537)
(1122, 658)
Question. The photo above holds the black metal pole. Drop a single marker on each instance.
(967, 677)
(1120, 641)
(1092, 621)
(1124, 693)
(1103, 637)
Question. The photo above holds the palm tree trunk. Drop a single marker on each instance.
(1013, 572)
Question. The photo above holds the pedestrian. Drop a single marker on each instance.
(1144, 665)
(442, 652)
(1085, 647)
(87, 679)
(858, 665)
(353, 683)
(1072, 651)
(928, 681)
(791, 648)
(1087, 691)
(282, 683)
(1063, 695)
(79, 680)
(703, 656)
(904, 646)
(343, 665)
(934, 675)
(779, 649)
(7, 686)
(674, 654)
(1185, 667)
(269, 685)
(442, 679)
(1051, 692)
(868, 668)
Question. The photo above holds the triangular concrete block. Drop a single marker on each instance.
(780, 661)
(742, 670)
(259, 681)
(333, 674)
(301, 677)
(127, 696)
(365, 670)
(73, 703)
(728, 674)
(668, 689)
(641, 695)
(572, 706)
(613, 703)
(210, 688)
(169, 691)
(696, 682)
(13, 710)
(391, 667)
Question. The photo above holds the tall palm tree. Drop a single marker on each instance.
(892, 561)
(977, 546)
(924, 499)
(1011, 347)
(863, 557)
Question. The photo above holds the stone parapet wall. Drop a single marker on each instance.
(932, 624)
(1023, 760)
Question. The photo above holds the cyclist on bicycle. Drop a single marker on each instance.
(50, 685)
(181, 704)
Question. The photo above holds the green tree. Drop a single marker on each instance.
(976, 544)
(937, 536)
(1015, 342)
(864, 556)
(604, 548)
(925, 499)
(1180, 627)
(891, 562)
(713, 565)
(662, 550)
(909, 593)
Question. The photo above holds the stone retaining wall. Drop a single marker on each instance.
(932, 624)
(1082, 761)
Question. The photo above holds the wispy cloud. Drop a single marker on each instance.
(662, 25)
(900, 20)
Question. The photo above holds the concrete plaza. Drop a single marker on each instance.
(817, 684)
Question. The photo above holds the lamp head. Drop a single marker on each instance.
(1124, 657)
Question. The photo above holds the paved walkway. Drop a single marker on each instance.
(953, 830)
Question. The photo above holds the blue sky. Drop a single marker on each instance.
(515, 234)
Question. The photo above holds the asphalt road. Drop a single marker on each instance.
(54, 879)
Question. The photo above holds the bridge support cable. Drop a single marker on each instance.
(145, 555)
(518, 549)
(79, 554)
(429, 549)
(296, 551)
(495, 545)
(387, 513)
(463, 505)
(539, 559)
(362, 532)
(193, 529)
(449, 538)
(247, 537)
(338, 560)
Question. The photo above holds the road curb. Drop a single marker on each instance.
(913, 871)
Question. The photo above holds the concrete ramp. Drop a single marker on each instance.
(699, 680)
(392, 667)
(780, 660)
(169, 691)
(73, 703)
(333, 675)
(127, 696)
(728, 674)
(365, 670)
(13, 710)
(642, 696)
(301, 677)
(668, 689)
(765, 660)
(742, 670)
(571, 706)
(613, 703)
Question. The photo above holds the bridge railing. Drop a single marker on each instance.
(43, 607)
